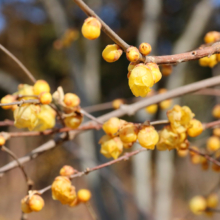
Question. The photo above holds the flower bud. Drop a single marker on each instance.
(197, 205)
(112, 53)
(73, 121)
(145, 48)
(111, 147)
(71, 100)
(212, 201)
(213, 143)
(148, 137)
(128, 133)
(151, 109)
(33, 203)
(84, 195)
(2, 140)
(132, 54)
(195, 128)
(166, 103)
(67, 171)
(155, 71)
(62, 190)
(127, 145)
(117, 103)
(166, 70)
(212, 37)
(45, 98)
(140, 80)
(112, 126)
(216, 132)
(216, 111)
(182, 152)
(41, 86)
(6, 100)
(91, 28)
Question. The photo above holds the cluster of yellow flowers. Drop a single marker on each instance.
(40, 116)
(121, 134)
(63, 190)
(199, 204)
(152, 109)
(212, 60)
(182, 124)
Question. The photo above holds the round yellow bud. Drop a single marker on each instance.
(212, 37)
(148, 137)
(140, 80)
(6, 100)
(166, 70)
(73, 121)
(33, 203)
(67, 171)
(128, 133)
(91, 28)
(117, 103)
(213, 143)
(182, 152)
(216, 132)
(132, 54)
(41, 86)
(145, 48)
(216, 111)
(197, 205)
(195, 128)
(112, 126)
(152, 109)
(84, 195)
(212, 201)
(155, 71)
(45, 98)
(112, 53)
(71, 100)
(2, 140)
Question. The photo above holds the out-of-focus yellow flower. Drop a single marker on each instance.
(62, 190)
(33, 203)
(132, 54)
(6, 100)
(45, 98)
(182, 152)
(166, 103)
(25, 89)
(145, 48)
(195, 157)
(197, 205)
(212, 201)
(155, 71)
(128, 133)
(195, 128)
(216, 132)
(2, 140)
(212, 37)
(148, 137)
(166, 70)
(41, 86)
(151, 109)
(179, 118)
(73, 121)
(111, 147)
(26, 116)
(141, 80)
(117, 103)
(46, 118)
(169, 140)
(216, 111)
(213, 143)
(208, 61)
(71, 100)
(84, 195)
(204, 163)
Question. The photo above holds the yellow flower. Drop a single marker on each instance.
(84, 195)
(145, 48)
(67, 171)
(71, 100)
(128, 133)
(208, 61)
(62, 190)
(25, 89)
(91, 28)
(179, 118)
(73, 121)
(155, 71)
(195, 128)
(111, 147)
(212, 201)
(32, 203)
(46, 118)
(26, 116)
(148, 137)
(213, 143)
(212, 37)
(117, 103)
(216, 111)
(41, 86)
(140, 80)
(166, 103)
(197, 205)
(151, 109)
(7, 99)
(112, 53)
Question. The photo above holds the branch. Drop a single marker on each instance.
(27, 72)
(27, 179)
(168, 59)
(31, 101)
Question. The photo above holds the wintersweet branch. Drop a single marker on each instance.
(126, 156)
(30, 101)
(168, 59)
(27, 72)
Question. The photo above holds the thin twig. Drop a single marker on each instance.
(27, 179)
(28, 73)
(31, 101)
(91, 116)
